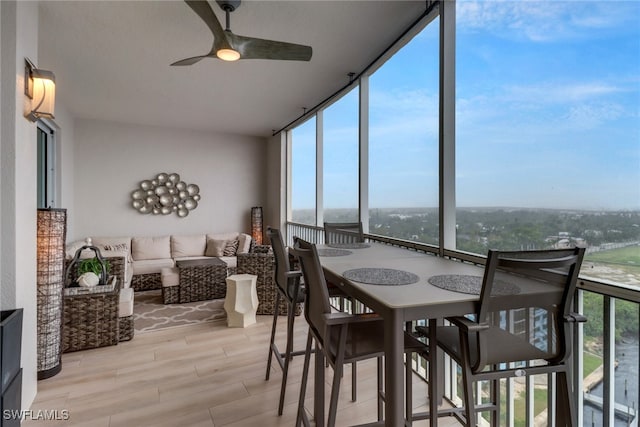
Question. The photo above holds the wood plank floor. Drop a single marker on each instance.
(201, 375)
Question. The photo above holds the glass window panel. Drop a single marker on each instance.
(403, 142)
(340, 159)
(303, 173)
(547, 129)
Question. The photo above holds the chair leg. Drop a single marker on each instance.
(565, 410)
(467, 383)
(287, 355)
(354, 382)
(335, 393)
(408, 387)
(273, 335)
(305, 375)
(380, 373)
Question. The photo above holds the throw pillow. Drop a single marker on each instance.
(117, 247)
(215, 247)
(230, 248)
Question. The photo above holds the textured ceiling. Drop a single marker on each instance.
(111, 59)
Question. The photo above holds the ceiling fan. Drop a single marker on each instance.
(231, 47)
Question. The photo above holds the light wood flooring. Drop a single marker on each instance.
(201, 375)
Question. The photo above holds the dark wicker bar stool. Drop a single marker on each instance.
(292, 292)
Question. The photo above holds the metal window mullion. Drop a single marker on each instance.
(578, 360)
(289, 172)
(320, 168)
(509, 388)
(363, 154)
(529, 382)
(447, 126)
(608, 393)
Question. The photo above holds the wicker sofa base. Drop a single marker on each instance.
(170, 294)
(146, 282)
(125, 328)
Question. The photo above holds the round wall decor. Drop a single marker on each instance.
(165, 194)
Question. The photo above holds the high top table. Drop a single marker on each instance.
(398, 304)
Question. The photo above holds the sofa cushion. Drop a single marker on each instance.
(223, 236)
(170, 277)
(112, 243)
(125, 304)
(148, 266)
(231, 261)
(244, 243)
(230, 248)
(146, 248)
(185, 246)
(215, 247)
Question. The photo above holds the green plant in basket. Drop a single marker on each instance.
(92, 265)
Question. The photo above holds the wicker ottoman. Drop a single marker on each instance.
(202, 279)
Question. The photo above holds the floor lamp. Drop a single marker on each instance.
(256, 224)
(51, 236)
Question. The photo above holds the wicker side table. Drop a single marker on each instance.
(90, 317)
(202, 279)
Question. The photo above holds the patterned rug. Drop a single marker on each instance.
(150, 314)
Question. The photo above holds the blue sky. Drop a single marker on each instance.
(547, 113)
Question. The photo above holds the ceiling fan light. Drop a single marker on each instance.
(228, 54)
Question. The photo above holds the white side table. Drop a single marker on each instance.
(241, 302)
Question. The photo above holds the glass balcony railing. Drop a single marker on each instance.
(605, 353)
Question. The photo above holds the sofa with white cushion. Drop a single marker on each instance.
(145, 257)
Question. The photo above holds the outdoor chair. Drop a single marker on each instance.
(343, 232)
(289, 289)
(341, 337)
(487, 348)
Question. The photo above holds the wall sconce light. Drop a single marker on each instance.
(40, 87)
(256, 224)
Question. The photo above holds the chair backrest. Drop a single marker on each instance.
(343, 232)
(286, 284)
(317, 296)
(556, 269)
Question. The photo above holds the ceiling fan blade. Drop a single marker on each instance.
(204, 11)
(190, 61)
(254, 48)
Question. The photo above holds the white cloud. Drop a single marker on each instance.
(544, 20)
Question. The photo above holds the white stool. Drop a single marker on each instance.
(241, 302)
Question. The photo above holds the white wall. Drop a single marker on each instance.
(110, 160)
(19, 25)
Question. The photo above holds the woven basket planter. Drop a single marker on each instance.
(90, 321)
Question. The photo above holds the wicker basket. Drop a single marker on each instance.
(90, 320)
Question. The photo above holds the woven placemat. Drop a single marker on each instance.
(333, 252)
(354, 245)
(381, 276)
(471, 284)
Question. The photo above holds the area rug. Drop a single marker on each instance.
(150, 314)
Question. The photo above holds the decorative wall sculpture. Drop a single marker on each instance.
(165, 194)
